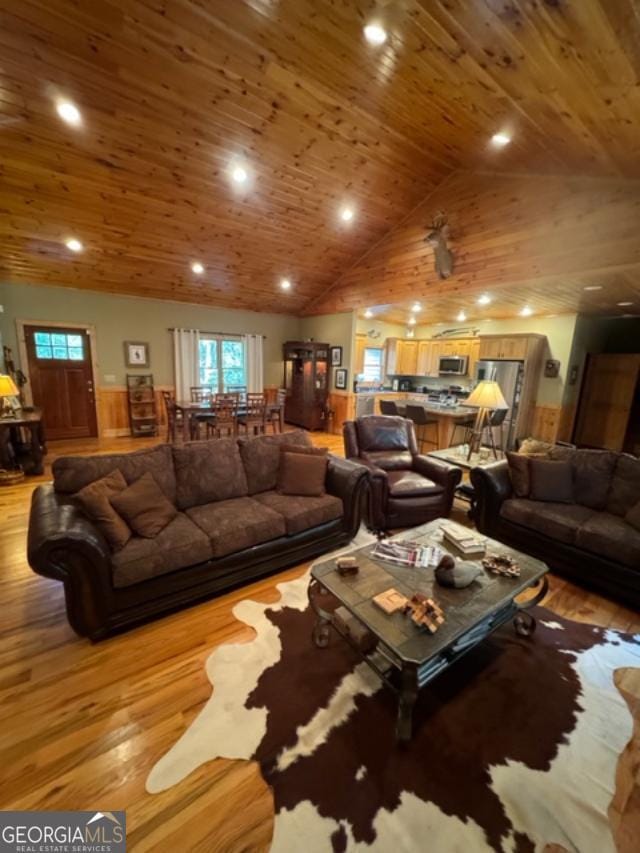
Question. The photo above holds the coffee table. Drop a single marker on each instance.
(405, 657)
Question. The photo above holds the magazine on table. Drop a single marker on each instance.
(406, 553)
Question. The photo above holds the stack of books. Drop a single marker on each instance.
(463, 540)
(411, 554)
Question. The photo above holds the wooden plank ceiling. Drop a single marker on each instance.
(173, 93)
(522, 241)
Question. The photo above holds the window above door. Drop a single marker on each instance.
(58, 345)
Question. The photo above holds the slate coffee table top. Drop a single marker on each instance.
(464, 608)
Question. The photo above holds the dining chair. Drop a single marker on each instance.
(240, 390)
(224, 409)
(253, 415)
(201, 393)
(174, 417)
(275, 414)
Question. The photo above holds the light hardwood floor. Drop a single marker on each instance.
(81, 725)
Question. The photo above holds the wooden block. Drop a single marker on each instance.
(390, 600)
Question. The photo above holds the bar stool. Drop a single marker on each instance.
(418, 415)
(388, 407)
(467, 429)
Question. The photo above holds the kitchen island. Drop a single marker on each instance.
(439, 434)
(446, 419)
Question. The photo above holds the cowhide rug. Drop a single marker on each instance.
(516, 747)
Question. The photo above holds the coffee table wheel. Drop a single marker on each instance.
(320, 634)
(524, 624)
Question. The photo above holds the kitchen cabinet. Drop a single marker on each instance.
(407, 358)
(358, 365)
(474, 356)
(401, 357)
(423, 366)
(510, 347)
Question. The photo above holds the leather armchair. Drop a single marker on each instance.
(405, 487)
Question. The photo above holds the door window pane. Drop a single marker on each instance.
(59, 345)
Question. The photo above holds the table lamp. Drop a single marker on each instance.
(7, 389)
(486, 397)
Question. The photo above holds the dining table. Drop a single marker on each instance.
(205, 408)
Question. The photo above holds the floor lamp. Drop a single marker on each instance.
(486, 397)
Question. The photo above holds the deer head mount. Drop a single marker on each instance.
(437, 237)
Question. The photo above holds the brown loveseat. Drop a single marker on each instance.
(588, 539)
(232, 526)
(406, 488)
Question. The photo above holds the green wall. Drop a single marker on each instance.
(334, 329)
(121, 318)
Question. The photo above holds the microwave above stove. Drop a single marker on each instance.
(453, 365)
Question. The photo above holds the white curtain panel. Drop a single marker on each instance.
(186, 344)
(253, 347)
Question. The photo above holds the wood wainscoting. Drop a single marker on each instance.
(553, 423)
(343, 405)
(113, 412)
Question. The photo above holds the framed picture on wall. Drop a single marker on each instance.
(136, 354)
(336, 356)
(341, 379)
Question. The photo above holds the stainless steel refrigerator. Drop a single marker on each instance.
(509, 375)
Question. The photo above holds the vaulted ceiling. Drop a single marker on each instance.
(174, 93)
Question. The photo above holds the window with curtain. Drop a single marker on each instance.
(372, 368)
(222, 362)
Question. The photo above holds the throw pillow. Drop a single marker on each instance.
(551, 481)
(144, 507)
(94, 501)
(310, 450)
(302, 474)
(536, 447)
(633, 516)
(519, 474)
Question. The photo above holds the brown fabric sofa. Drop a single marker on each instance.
(406, 488)
(588, 540)
(232, 526)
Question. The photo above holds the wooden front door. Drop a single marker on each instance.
(62, 380)
(606, 400)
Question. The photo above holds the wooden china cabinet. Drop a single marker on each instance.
(306, 379)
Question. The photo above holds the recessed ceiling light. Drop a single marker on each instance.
(416, 307)
(239, 174)
(593, 287)
(461, 317)
(499, 140)
(197, 268)
(285, 284)
(368, 313)
(74, 245)
(346, 214)
(69, 112)
(526, 311)
(410, 333)
(375, 34)
(485, 299)
(624, 304)
(411, 321)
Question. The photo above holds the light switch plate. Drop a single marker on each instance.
(109, 377)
